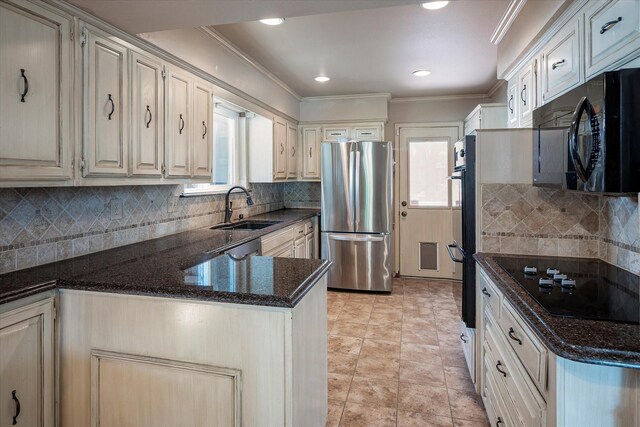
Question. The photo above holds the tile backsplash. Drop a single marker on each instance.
(302, 194)
(524, 219)
(42, 225)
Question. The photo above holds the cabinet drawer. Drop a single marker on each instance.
(490, 296)
(332, 134)
(524, 403)
(525, 345)
(612, 32)
(309, 227)
(372, 133)
(497, 411)
(561, 62)
(277, 239)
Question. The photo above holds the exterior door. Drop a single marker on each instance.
(106, 116)
(179, 125)
(428, 201)
(147, 115)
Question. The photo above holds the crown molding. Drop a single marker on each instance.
(227, 44)
(386, 96)
(438, 98)
(496, 87)
(510, 15)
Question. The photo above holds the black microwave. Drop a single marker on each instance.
(589, 138)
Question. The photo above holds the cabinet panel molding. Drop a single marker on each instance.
(203, 129)
(179, 124)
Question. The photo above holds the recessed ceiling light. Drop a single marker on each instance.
(434, 5)
(421, 73)
(322, 79)
(272, 21)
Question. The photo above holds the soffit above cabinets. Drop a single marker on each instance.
(376, 50)
(141, 16)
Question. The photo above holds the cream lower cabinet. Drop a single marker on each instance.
(36, 75)
(296, 241)
(523, 383)
(27, 366)
(134, 361)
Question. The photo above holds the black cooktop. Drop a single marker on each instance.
(601, 291)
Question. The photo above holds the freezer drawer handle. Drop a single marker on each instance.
(456, 246)
(352, 238)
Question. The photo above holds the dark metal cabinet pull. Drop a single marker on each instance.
(281, 148)
(504, 374)
(293, 151)
(499, 422)
(524, 101)
(463, 339)
(204, 125)
(180, 124)
(150, 117)
(512, 335)
(113, 106)
(557, 64)
(17, 402)
(26, 85)
(310, 151)
(485, 292)
(609, 25)
(509, 104)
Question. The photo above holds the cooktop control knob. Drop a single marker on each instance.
(568, 283)
(545, 283)
(559, 277)
(552, 271)
(530, 270)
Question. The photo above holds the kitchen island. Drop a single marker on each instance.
(166, 332)
(535, 368)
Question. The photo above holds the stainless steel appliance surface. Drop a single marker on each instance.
(577, 287)
(462, 252)
(586, 139)
(356, 222)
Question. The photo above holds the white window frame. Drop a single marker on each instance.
(239, 154)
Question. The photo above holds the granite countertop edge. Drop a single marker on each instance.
(546, 327)
(54, 282)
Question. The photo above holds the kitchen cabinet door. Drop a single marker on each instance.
(178, 124)
(36, 71)
(512, 106)
(367, 133)
(561, 65)
(310, 153)
(300, 248)
(26, 366)
(336, 133)
(203, 130)
(147, 111)
(310, 245)
(526, 96)
(107, 105)
(292, 148)
(279, 148)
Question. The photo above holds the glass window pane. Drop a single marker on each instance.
(224, 138)
(428, 171)
(456, 193)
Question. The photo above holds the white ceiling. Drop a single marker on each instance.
(376, 50)
(141, 16)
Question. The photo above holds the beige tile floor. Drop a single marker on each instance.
(396, 360)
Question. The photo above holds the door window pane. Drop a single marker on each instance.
(428, 171)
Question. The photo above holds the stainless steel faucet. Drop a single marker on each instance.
(227, 203)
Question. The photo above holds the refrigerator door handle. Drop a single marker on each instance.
(356, 238)
(356, 192)
(352, 199)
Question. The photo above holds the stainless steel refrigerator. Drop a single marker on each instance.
(357, 201)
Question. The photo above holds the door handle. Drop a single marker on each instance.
(403, 204)
(557, 64)
(609, 25)
(180, 124)
(113, 106)
(403, 213)
(204, 126)
(455, 245)
(148, 122)
(26, 85)
(14, 396)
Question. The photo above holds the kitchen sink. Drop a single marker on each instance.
(246, 225)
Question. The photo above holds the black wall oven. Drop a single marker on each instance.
(462, 252)
(588, 138)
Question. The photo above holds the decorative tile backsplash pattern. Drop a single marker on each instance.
(524, 219)
(302, 195)
(42, 225)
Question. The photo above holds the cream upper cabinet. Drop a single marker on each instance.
(106, 114)
(335, 133)
(36, 77)
(27, 366)
(512, 105)
(202, 129)
(561, 66)
(178, 124)
(310, 152)
(292, 149)
(612, 32)
(526, 94)
(279, 148)
(147, 114)
(371, 133)
(361, 131)
(486, 116)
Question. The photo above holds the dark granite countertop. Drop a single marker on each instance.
(182, 265)
(581, 340)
